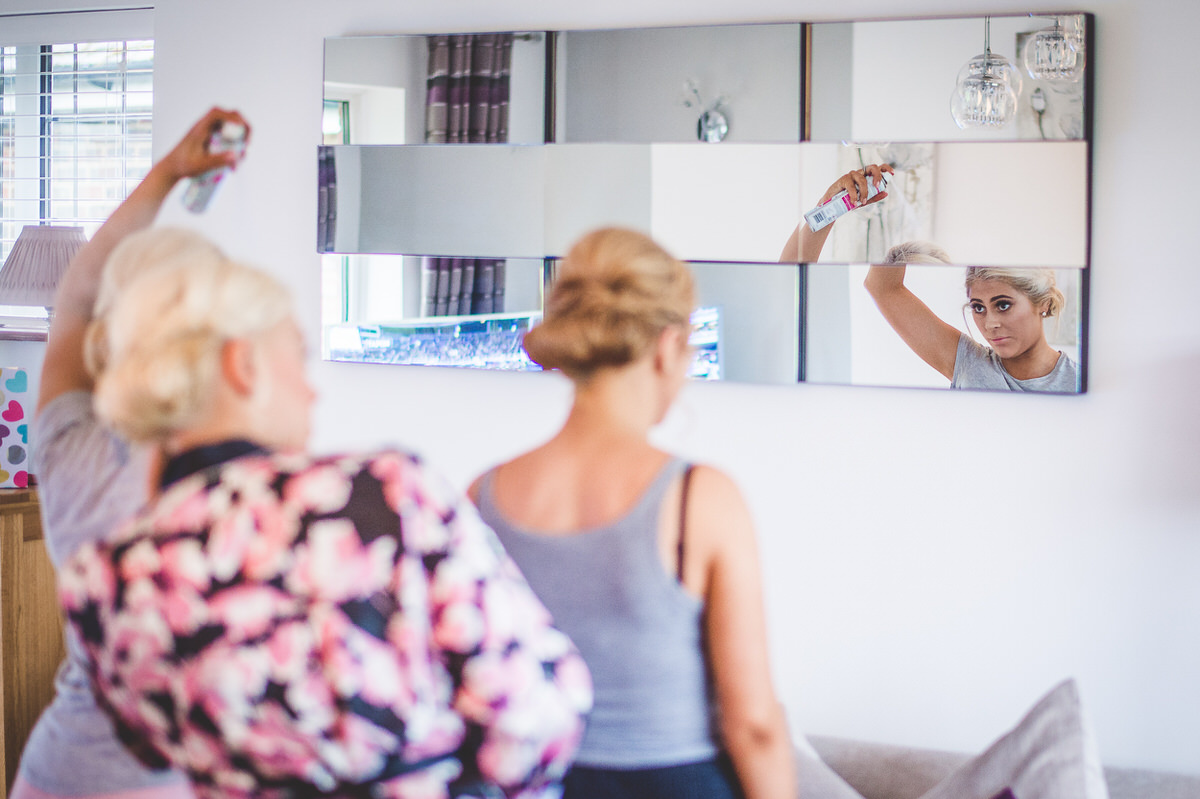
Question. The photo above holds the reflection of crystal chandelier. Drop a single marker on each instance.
(985, 95)
(1055, 54)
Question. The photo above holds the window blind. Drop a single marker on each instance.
(76, 103)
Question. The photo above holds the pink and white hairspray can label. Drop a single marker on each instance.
(841, 203)
(229, 137)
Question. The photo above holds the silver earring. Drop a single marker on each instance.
(1045, 313)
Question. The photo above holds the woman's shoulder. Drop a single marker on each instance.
(714, 492)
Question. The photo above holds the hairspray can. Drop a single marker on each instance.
(229, 137)
(841, 203)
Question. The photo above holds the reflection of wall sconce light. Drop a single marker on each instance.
(37, 262)
(985, 95)
(712, 126)
(1055, 54)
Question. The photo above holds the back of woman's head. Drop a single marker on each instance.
(156, 349)
(616, 292)
(1039, 285)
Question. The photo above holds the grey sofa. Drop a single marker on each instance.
(880, 771)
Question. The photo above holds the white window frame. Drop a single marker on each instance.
(32, 172)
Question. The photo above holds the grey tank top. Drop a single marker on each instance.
(977, 366)
(638, 630)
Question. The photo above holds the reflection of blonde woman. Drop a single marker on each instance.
(1008, 306)
(657, 583)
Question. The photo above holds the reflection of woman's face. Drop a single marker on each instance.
(1005, 317)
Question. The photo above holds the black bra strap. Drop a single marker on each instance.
(683, 498)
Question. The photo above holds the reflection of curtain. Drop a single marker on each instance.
(467, 88)
(466, 102)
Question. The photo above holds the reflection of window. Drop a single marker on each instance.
(75, 129)
(335, 122)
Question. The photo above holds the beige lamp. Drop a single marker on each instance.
(37, 262)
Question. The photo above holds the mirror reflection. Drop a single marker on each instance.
(483, 201)
(679, 84)
(716, 141)
(996, 203)
(854, 338)
(417, 89)
(407, 309)
(863, 90)
(755, 324)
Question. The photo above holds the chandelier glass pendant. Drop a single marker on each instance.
(985, 95)
(1055, 54)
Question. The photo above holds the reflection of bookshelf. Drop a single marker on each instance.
(461, 286)
(480, 341)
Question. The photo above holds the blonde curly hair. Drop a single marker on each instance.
(168, 302)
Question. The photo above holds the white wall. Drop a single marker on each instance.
(934, 560)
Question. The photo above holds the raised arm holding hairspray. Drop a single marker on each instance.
(842, 203)
(229, 137)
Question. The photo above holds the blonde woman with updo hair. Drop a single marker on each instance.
(648, 562)
(275, 623)
(1009, 308)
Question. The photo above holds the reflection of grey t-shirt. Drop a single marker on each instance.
(977, 366)
(89, 481)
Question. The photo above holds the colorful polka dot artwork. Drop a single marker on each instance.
(14, 429)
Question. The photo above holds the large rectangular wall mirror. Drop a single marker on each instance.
(456, 169)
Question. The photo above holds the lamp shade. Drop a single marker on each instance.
(37, 262)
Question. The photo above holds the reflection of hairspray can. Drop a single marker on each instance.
(841, 203)
(231, 136)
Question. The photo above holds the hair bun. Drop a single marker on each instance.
(616, 292)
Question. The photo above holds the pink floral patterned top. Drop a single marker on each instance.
(346, 626)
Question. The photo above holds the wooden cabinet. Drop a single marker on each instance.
(31, 636)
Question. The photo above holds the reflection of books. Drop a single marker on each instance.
(454, 292)
(468, 285)
(482, 301)
(429, 280)
(326, 201)
(442, 298)
(498, 276)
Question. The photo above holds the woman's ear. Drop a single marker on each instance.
(239, 364)
(671, 345)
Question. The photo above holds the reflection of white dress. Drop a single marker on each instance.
(979, 367)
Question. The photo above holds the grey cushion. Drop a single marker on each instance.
(881, 771)
(1049, 754)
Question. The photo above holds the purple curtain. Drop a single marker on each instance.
(467, 88)
(466, 102)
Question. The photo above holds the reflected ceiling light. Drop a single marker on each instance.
(38, 259)
(985, 95)
(1055, 54)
